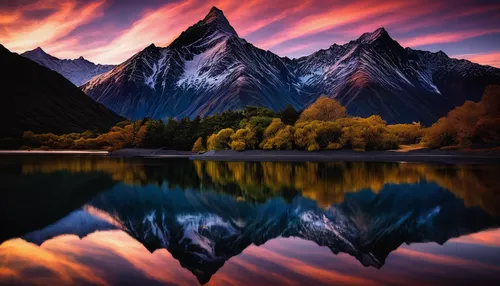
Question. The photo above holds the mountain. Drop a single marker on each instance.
(206, 70)
(375, 75)
(209, 69)
(203, 230)
(78, 71)
(37, 99)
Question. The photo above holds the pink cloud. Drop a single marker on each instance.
(21, 33)
(445, 37)
(285, 27)
(490, 58)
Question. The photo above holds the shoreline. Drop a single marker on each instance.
(414, 156)
(420, 156)
(55, 152)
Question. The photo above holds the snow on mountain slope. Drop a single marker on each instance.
(209, 69)
(375, 75)
(78, 71)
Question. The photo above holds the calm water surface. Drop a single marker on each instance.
(94, 220)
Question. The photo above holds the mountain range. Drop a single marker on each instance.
(78, 71)
(203, 230)
(209, 69)
(35, 98)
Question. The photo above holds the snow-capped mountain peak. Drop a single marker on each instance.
(379, 34)
(209, 69)
(78, 71)
(216, 17)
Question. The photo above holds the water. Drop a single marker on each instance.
(93, 220)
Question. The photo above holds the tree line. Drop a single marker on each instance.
(324, 125)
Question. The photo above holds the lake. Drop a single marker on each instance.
(76, 219)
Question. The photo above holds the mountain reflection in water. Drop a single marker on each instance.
(235, 222)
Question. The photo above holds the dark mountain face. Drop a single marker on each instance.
(37, 99)
(209, 69)
(78, 71)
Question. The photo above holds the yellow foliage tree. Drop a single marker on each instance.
(323, 109)
(243, 139)
(407, 133)
(471, 122)
(282, 140)
(270, 132)
(221, 140)
(198, 145)
(305, 135)
(211, 142)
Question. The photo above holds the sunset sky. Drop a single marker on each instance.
(110, 31)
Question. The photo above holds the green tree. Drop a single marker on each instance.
(289, 115)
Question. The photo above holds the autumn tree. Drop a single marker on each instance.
(278, 136)
(407, 133)
(243, 139)
(323, 109)
(221, 140)
(305, 135)
(469, 123)
(198, 145)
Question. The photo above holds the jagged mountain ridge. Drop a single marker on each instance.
(209, 69)
(208, 59)
(376, 75)
(37, 99)
(78, 71)
(204, 229)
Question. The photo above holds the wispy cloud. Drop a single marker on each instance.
(445, 37)
(19, 32)
(489, 58)
(293, 28)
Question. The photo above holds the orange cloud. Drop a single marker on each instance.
(445, 37)
(318, 274)
(163, 25)
(489, 238)
(490, 58)
(292, 27)
(333, 18)
(103, 256)
(63, 269)
(20, 33)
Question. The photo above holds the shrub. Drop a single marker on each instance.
(328, 133)
(221, 140)
(407, 133)
(238, 145)
(305, 136)
(243, 139)
(211, 142)
(198, 145)
(278, 136)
